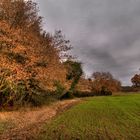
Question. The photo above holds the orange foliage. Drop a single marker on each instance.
(25, 50)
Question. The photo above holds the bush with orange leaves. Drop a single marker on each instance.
(104, 83)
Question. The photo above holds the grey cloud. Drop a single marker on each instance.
(105, 33)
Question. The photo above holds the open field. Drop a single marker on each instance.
(98, 118)
(95, 118)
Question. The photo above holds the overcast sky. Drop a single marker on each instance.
(105, 33)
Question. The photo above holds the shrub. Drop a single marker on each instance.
(105, 92)
(67, 95)
(61, 92)
(20, 93)
(6, 91)
(60, 89)
(83, 94)
(29, 92)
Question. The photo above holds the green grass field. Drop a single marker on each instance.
(98, 118)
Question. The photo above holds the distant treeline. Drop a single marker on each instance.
(130, 89)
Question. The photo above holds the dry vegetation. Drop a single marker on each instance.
(26, 124)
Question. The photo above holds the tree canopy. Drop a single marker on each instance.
(136, 80)
(105, 81)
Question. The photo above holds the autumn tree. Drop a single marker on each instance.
(84, 84)
(62, 45)
(32, 56)
(136, 80)
(104, 81)
(20, 13)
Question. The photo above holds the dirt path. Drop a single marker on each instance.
(27, 124)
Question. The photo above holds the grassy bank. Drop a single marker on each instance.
(114, 117)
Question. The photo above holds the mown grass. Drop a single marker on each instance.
(98, 118)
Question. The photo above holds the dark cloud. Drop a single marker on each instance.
(105, 33)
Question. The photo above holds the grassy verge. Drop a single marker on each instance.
(98, 118)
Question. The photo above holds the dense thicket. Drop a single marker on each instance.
(34, 63)
(31, 59)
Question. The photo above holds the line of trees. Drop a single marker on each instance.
(31, 58)
(35, 63)
(100, 83)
